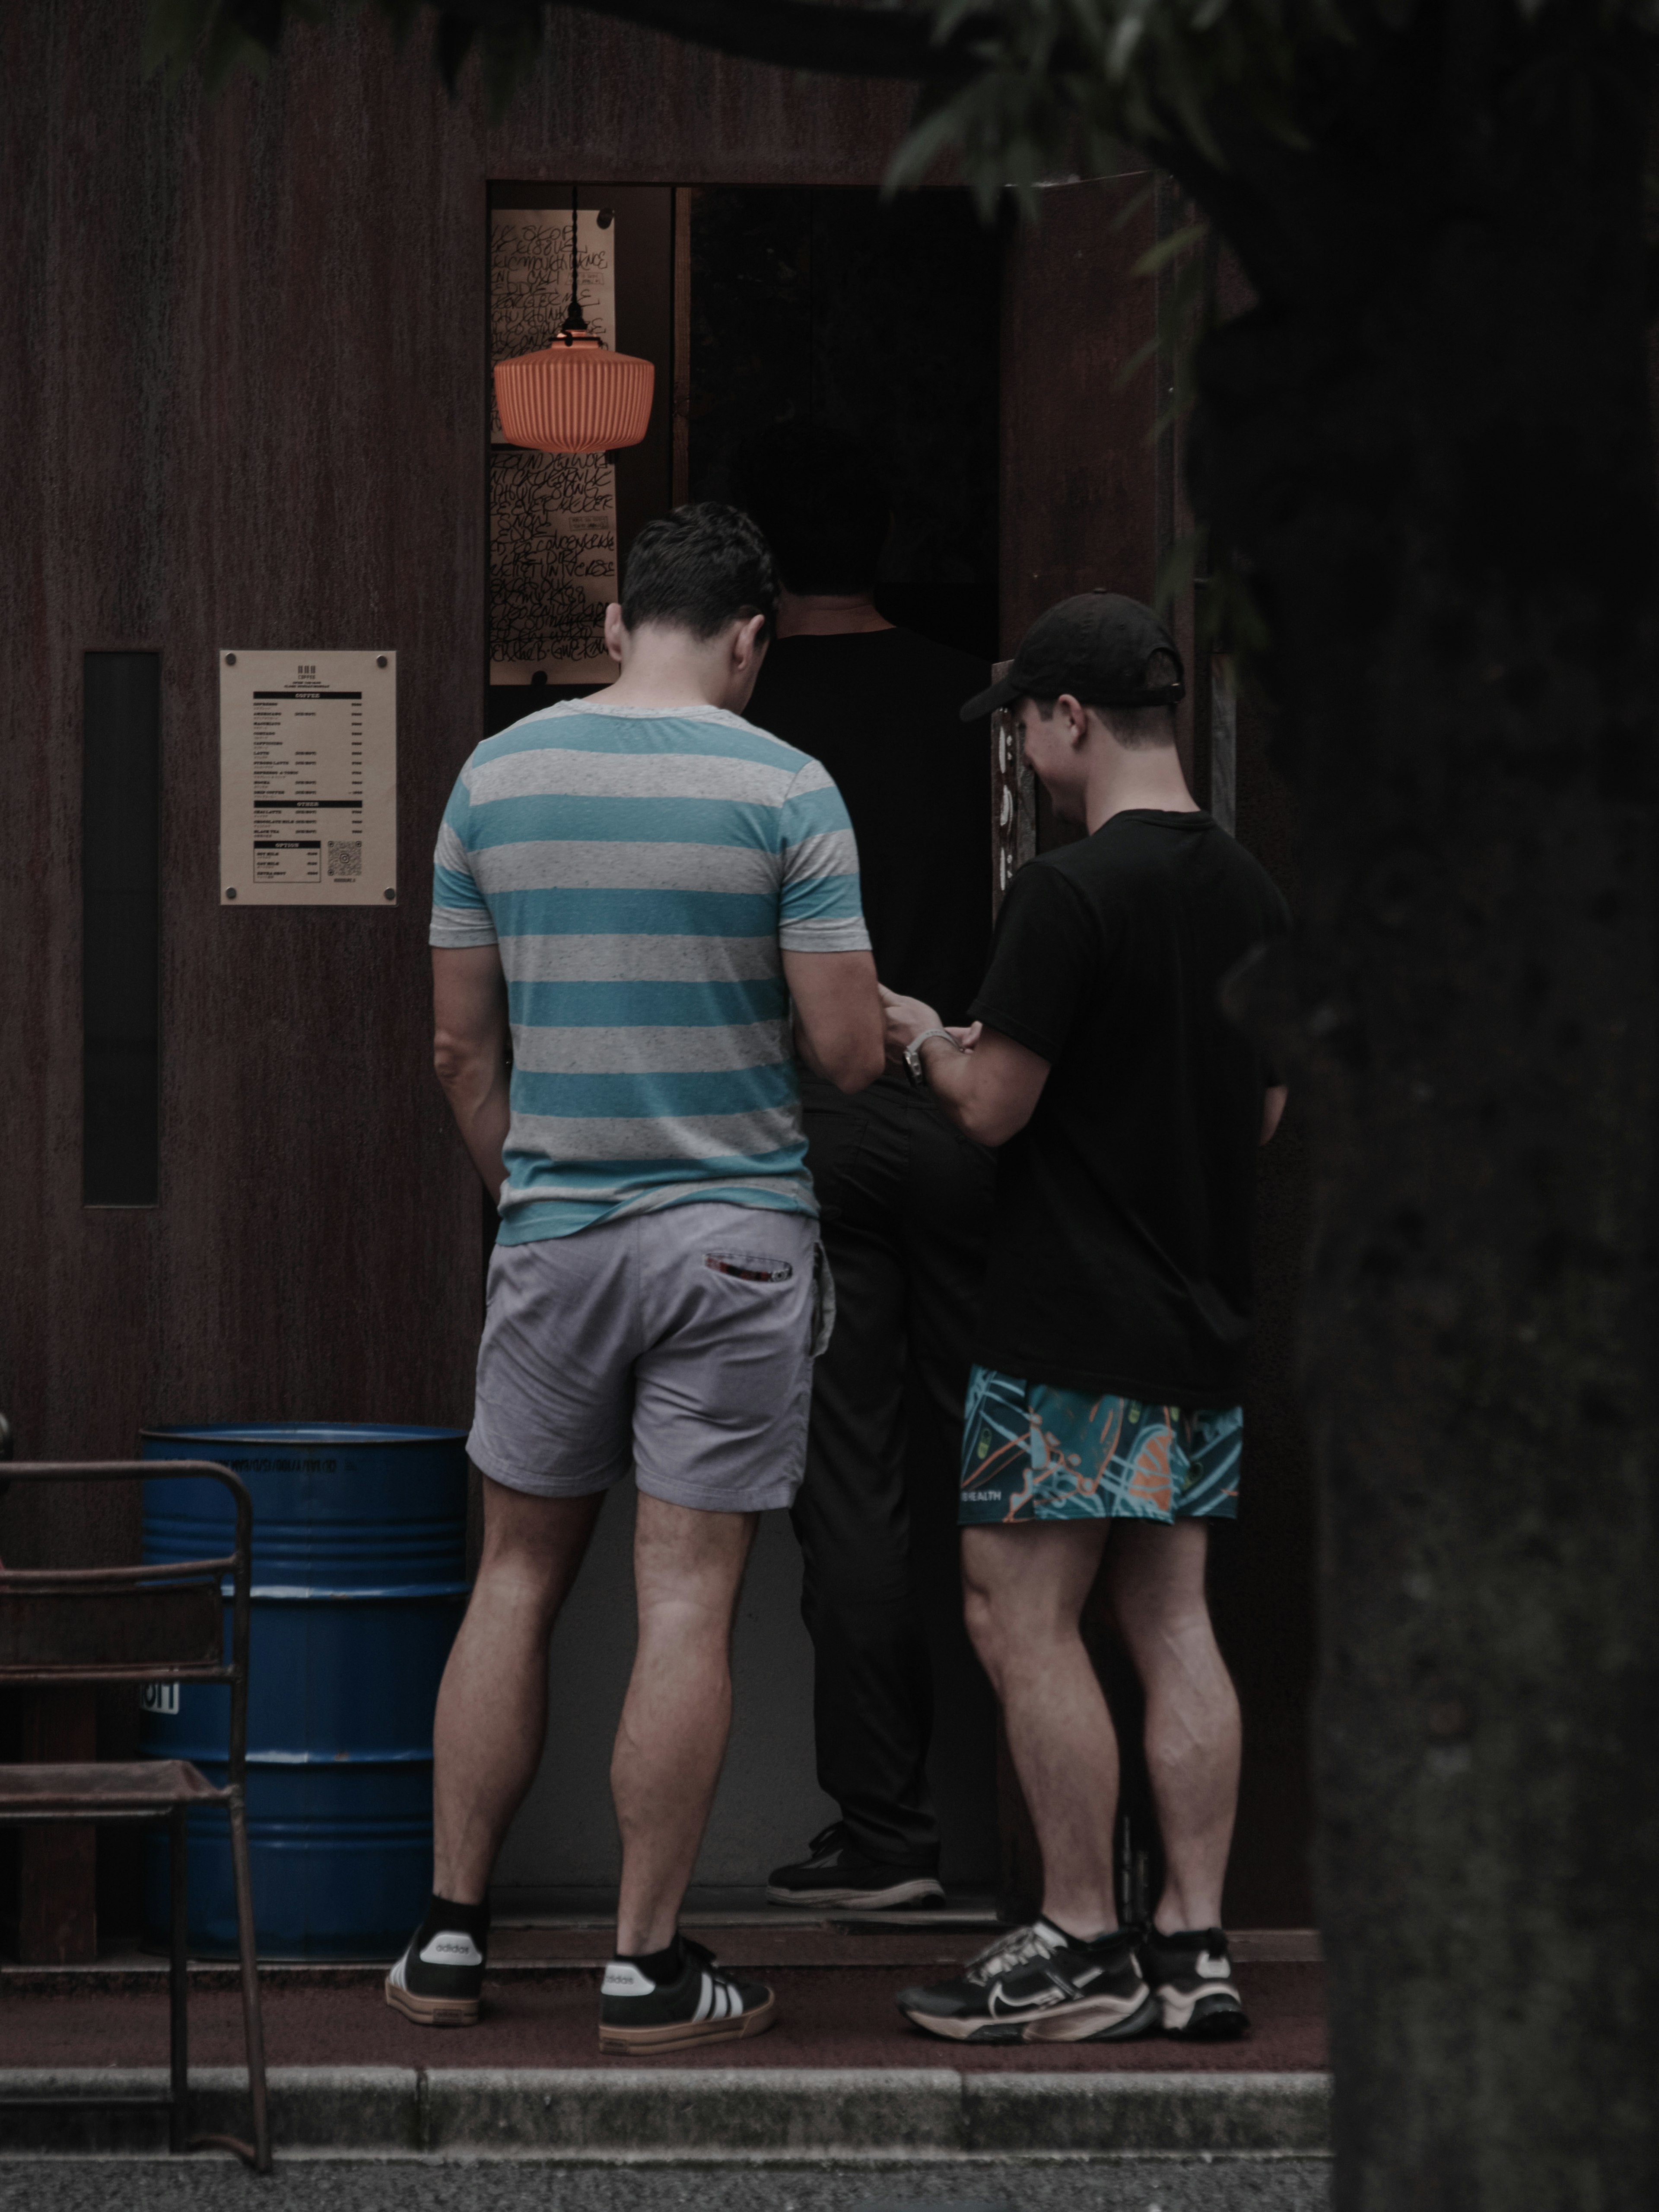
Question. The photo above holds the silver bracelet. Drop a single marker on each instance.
(913, 1067)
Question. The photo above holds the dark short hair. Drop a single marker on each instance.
(821, 498)
(699, 568)
(1137, 729)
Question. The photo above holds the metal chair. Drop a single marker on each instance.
(147, 1624)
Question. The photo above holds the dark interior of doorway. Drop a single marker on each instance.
(878, 319)
(769, 305)
(760, 304)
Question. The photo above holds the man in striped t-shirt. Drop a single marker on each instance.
(657, 905)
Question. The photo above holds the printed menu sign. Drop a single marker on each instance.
(307, 778)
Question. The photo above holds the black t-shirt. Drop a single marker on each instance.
(881, 708)
(1121, 1245)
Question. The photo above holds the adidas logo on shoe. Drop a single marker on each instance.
(451, 1948)
(439, 1981)
(625, 1981)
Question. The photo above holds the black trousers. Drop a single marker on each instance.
(906, 1203)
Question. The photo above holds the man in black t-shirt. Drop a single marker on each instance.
(905, 1196)
(1109, 1347)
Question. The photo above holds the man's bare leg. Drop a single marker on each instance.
(491, 1720)
(1024, 1589)
(1155, 1577)
(688, 1569)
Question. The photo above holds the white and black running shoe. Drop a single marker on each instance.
(835, 1872)
(1038, 1984)
(701, 2005)
(438, 1982)
(1191, 1974)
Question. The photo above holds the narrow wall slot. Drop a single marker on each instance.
(120, 894)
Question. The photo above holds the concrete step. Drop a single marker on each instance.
(523, 1951)
(680, 2114)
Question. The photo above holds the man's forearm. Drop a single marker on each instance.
(477, 1088)
(804, 1052)
(989, 1087)
(952, 1077)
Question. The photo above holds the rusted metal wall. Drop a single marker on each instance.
(242, 387)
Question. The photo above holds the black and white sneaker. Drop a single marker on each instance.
(834, 1872)
(439, 1980)
(700, 2005)
(1191, 1973)
(1038, 1984)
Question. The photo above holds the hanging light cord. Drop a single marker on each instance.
(574, 320)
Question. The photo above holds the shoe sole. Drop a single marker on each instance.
(432, 2012)
(866, 1900)
(1212, 2015)
(1092, 2019)
(681, 2034)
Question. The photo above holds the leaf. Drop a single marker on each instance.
(1156, 256)
(921, 146)
(1136, 362)
(1132, 207)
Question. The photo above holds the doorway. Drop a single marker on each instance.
(756, 306)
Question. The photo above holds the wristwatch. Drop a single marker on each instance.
(913, 1067)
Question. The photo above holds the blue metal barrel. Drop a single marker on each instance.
(359, 1585)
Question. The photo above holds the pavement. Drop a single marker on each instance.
(211, 2185)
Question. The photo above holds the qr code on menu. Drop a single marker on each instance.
(346, 860)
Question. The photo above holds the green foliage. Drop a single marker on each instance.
(1186, 311)
(1069, 79)
(1015, 90)
(1227, 615)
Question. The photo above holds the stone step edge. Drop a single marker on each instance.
(126, 1972)
(729, 2111)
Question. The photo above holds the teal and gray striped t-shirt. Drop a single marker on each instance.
(642, 872)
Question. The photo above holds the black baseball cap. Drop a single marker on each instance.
(1095, 646)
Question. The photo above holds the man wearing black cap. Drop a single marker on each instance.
(1105, 1396)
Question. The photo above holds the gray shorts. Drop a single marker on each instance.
(679, 1343)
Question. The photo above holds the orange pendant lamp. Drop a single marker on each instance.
(577, 396)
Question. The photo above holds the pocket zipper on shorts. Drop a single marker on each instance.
(749, 1266)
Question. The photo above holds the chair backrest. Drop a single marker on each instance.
(55, 1627)
(146, 1624)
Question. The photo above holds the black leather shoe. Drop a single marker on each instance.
(834, 1872)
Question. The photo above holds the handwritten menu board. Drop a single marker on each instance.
(552, 516)
(308, 779)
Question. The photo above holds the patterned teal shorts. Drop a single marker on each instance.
(1031, 1452)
